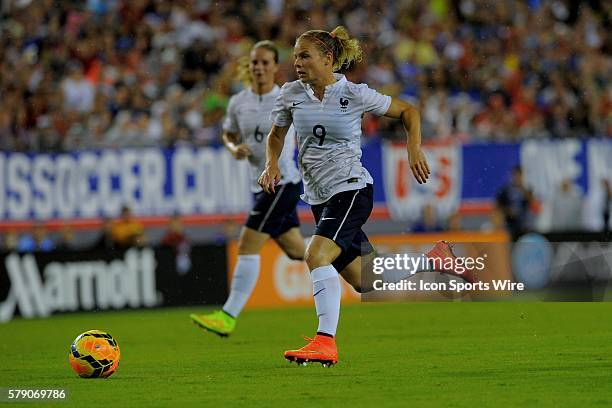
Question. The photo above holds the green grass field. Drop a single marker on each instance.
(414, 354)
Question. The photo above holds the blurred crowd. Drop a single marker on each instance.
(518, 210)
(114, 73)
(123, 232)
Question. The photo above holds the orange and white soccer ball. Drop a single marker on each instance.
(94, 354)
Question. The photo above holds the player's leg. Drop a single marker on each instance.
(263, 221)
(349, 262)
(292, 243)
(362, 278)
(353, 275)
(338, 220)
(271, 217)
(246, 271)
(320, 253)
(244, 279)
(439, 257)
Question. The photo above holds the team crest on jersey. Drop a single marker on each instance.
(343, 104)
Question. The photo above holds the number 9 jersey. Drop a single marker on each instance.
(248, 114)
(329, 133)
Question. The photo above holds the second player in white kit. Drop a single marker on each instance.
(245, 132)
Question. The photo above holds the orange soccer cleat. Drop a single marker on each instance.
(440, 254)
(321, 349)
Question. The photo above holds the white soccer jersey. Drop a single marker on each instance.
(329, 133)
(248, 114)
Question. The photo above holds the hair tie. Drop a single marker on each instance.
(323, 42)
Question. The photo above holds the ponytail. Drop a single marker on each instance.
(349, 49)
(242, 71)
(343, 48)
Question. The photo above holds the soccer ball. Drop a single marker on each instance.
(94, 354)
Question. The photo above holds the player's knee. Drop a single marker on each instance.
(293, 251)
(247, 248)
(315, 260)
(244, 250)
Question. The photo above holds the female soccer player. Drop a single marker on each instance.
(326, 110)
(274, 214)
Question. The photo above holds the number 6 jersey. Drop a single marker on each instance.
(329, 133)
(248, 114)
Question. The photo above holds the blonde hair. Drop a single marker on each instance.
(338, 42)
(243, 73)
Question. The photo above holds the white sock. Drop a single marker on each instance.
(245, 277)
(326, 291)
(420, 264)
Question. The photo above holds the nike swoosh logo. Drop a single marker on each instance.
(255, 212)
(298, 103)
(319, 291)
(327, 218)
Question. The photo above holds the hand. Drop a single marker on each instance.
(269, 178)
(241, 151)
(418, 164)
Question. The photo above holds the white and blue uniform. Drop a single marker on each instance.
(336, 184)
(329, 133)
(248, 114)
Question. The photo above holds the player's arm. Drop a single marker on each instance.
(238, 150)
(411, 119)
(271, 175)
